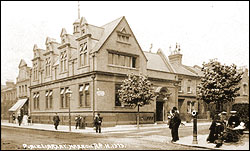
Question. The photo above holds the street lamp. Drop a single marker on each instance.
(194, 114)
(68, 91)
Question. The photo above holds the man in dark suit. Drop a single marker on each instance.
(98, 123)
(174, 124)
(56, 120)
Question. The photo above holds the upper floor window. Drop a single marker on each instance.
(64, 98)
(48, 99)
(19, 90)
(47, 67)
(180, 85)
(122, 60)
(63, 61)
(83, 55)
(189, 87)
(35, 71)
(123, 36)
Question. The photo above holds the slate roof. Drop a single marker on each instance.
(155, 62)
(181, 69)
(196, 70)
(108, 29)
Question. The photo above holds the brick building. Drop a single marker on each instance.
(92, 62)
(8, 98)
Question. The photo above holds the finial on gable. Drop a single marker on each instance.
(35, 47)
(170, 50)
(83, 21)
(63, 32)
(78, 10)
(179, 49)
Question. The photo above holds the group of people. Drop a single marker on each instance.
(222, 130)
(21, 118)
(97, 121)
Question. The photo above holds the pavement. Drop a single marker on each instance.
(186, 141)
(201, 139)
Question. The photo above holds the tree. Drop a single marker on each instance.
(136, 92)
(220, 83)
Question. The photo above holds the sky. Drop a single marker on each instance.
(204, 30)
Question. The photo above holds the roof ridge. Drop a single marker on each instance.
(112, 21)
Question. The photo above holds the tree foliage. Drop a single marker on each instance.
(220, 83)
(136, 91)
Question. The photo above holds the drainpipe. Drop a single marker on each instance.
(93, 78)
(30, 94)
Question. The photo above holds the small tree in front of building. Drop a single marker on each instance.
(136, 92)
(219, 84)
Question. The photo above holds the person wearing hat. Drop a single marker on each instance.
(78, 121)
(98, 123)
(175, 122)
(233, 120)
(212, 135)
(56, 120)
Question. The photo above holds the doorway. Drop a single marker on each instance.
(159, 111)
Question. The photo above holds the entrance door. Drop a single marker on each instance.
(159, 111)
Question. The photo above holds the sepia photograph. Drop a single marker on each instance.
(124, 75)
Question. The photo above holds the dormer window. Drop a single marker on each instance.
(63, 40)
(63, 61)
(47, 67)
(83, 55)
(83, 31)
(35, 71)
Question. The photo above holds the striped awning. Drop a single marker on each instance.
(18, 105)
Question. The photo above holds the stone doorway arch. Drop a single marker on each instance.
(163, 95)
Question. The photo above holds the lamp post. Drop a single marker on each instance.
(68, 91)
(194, 114)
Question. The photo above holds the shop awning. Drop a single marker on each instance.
(157, 89)
(18, 105)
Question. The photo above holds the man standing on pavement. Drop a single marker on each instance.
(98, 123)
(19, 118)
(78, 121)
(56, 120)
(174, 124)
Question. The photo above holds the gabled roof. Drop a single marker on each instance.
(48, 40)
(83, 21)
(35, 47)
(155, 62)
(63, 32)
(197, 70)
(108, 29)
(22, 63)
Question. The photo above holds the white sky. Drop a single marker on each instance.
(205, 30)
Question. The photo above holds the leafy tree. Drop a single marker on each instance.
(136, 92)
(220, 83)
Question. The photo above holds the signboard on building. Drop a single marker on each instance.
(100, 93)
